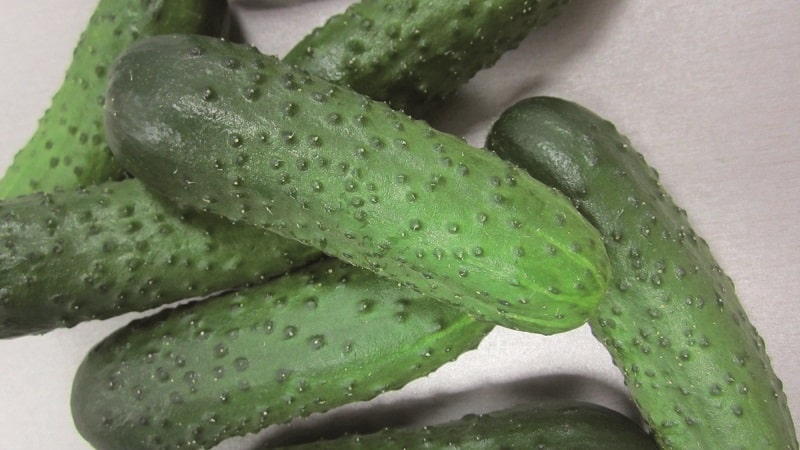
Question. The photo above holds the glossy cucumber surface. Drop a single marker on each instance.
(222, 128)
(414, 54)
(695, 365)
(115, 248)
(310, 341)
(68, 149)
(51, 289)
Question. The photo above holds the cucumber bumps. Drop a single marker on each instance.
(68, 149)
(310, 341)
(114, 248)
(548, 426)
(46, 291)
(397, 51)
(695, 365)
(225, 129)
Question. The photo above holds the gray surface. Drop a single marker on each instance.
(709, 91)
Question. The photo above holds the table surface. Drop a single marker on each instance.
(708, 91)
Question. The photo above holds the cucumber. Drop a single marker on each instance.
(110, 249)
(222, 128)
(671, 320)
(68, 148)
(565, 425)
(415, 53)
(325, 336)
(44, 294)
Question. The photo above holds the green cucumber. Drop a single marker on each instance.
(566, 425)
(695, 365)
(110, 249)
(224, 129)
(415, 53)
(41, 295)
(68, 148)
(325, 336)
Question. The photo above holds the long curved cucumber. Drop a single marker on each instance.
(68, 148)
(306, 342)
(55, 295)
(414, 54)
(110, 249)
(548, 426)
(695, 365)
(223, 128)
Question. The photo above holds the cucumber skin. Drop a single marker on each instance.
(396, 51)
(68, 149)
(116, 248)
(695, 365)
(29, 310)
(225, 129)
(547, 426)
(321, 337)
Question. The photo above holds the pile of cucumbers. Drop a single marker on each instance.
(335, 246)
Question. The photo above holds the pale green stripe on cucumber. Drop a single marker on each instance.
(695, 365)
(115, 248)
(565, 425)
(318, 338)
(61, 295)
(416, 53)
(68, 148)
(222, 128)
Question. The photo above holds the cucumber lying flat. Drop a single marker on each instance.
(115, 248)
(672, 321)
(548, 426)
(319, 338)
(46, 293)
(68, 149)
(414, 54)
(224, 129)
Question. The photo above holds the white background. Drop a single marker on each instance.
(708, 91)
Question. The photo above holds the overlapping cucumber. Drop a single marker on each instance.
(68, 148)
(695, 365)
(111, 249)
(50, 289)
(310, 341)
(224, 129)
(416, 53)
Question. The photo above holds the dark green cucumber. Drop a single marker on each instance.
(322, 337)
(68, 149)
(695, 365)
(110, 249)
(222, 128)
(416, 53)
(546, 426)
(33, 309)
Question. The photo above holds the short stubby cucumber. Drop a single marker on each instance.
(111, 249)
(68, 148)
(324, 336)
(414, 54)
(695, 365)
(222, 128)
(565, 425)
(30, 310)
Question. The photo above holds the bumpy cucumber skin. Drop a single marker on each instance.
(68, 148)
(322, 337)
(110, 249)
(223, 128)
(548, 426)
(55, 283)
(695, 365)
(397, 51)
